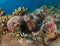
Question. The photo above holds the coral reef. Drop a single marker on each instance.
(34, 29)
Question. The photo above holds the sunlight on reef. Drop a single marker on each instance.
(38, 28)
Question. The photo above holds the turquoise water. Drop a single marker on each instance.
(9, 5)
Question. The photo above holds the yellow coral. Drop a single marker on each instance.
(19, 11)
(9, 17)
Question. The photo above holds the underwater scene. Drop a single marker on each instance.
(29, 22)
